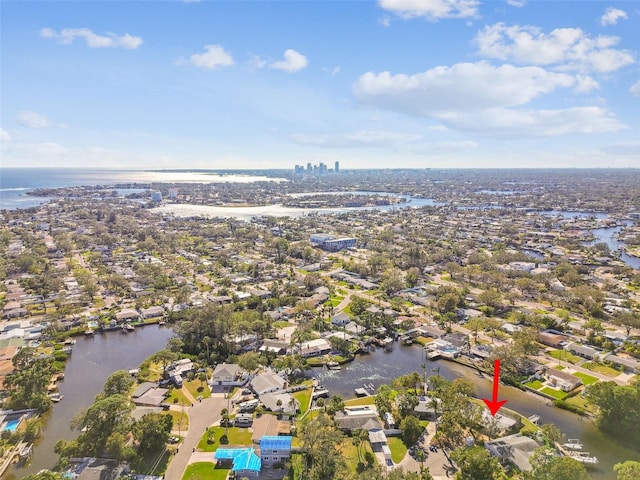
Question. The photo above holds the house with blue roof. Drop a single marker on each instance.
(244, 461)
(275, 449)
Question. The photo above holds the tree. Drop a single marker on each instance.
(44, 475)
(552, 432)
(152, 432)
(28, 382)
(411, 430)
(628, 320)
(547, 466)
(321, 441)
(118, 383)
(618, 408)
(475, 463)
(383, 399)
(336, 404)
(628, 470)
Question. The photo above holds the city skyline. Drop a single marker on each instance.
(256, 85)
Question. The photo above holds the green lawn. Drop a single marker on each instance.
(237, 436)
(564, 356)
(559, 367)
(177, 415)
(586, 379)
(583, 403)
(176, 394)
(360, 401)
(604, 369)
(197, 388)
(535, 384)
(398, 449)
(281, 324)
(304, 399)
(559, 394)
(204, 471)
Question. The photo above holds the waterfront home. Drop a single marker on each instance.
(267, 383)
(127, 315)
(152, 312)
(281, 402)
(274, 346)
(315, 348)
(365, 421)
(427, 408)
(180, 367)
(514, 449)
(98, 468)
(563, 380)
(149, 394)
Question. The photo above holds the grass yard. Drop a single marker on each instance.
(350, 453)
(557, 394)
(564, 356)
(304, 399)
(176, 397)
(604, 369)
(583, 403)
(535, 384)
(559, 367)
(586, 379)
(204, 471)
(281, 324)
(177, 415)
(360, 401)
(398, 449)
(197, 388)
(237, 436)
(423, 340)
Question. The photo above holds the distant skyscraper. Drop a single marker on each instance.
(336, 168)
(309, 167)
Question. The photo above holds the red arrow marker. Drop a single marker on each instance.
(493, 404)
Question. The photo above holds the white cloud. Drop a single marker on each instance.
(255, 61)
(635, 89)
(4, 136)
(332, 71)
(33, 120)
(431, 9)
(68, 35)
(537, 123)
(214, 56)
(363, 138)
(517, 3)
(612, 15)
(563, 48)
(461, 87)
(293, 62)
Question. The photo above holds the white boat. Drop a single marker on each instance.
(584, 457)
(573, 444)
(55, 397)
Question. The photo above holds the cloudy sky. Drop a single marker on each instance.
(261, 84)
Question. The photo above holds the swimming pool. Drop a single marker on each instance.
(11, 425)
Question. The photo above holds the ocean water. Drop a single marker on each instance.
(15, 183)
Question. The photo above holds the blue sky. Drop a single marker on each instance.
(261, 84)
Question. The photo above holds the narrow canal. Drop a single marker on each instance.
(92, 361)
(381, 367)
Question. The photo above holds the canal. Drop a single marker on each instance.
(91, 362)
(382, 367)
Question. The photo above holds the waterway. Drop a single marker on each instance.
(610, 237)
(382, 367)
(91, 362)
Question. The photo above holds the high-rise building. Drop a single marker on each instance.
(336, 168)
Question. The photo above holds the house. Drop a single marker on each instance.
(427, 408)
(180, 367)
(267, 383)
(340, 319)
(275, 450)
(563, 380)
(274, 346)
(99, 469)
(148, 394)
(228, 375)
(127, 315)
(315, 348)
(515, 449)
(552, 339)
(583, 351)
(152, 312)
(629, 364)
(243, 461)
(280, 402)
(377, 439)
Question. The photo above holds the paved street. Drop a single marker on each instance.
(202, 415)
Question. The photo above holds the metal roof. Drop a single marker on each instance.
(275, 442)
(243, 458)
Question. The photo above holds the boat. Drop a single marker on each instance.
(584, 457)
(89, 331)
(361, 392)
(573, 444)
(333, 365)
(162, 322)
(124, 329)
(130, 327)
(55, 397)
